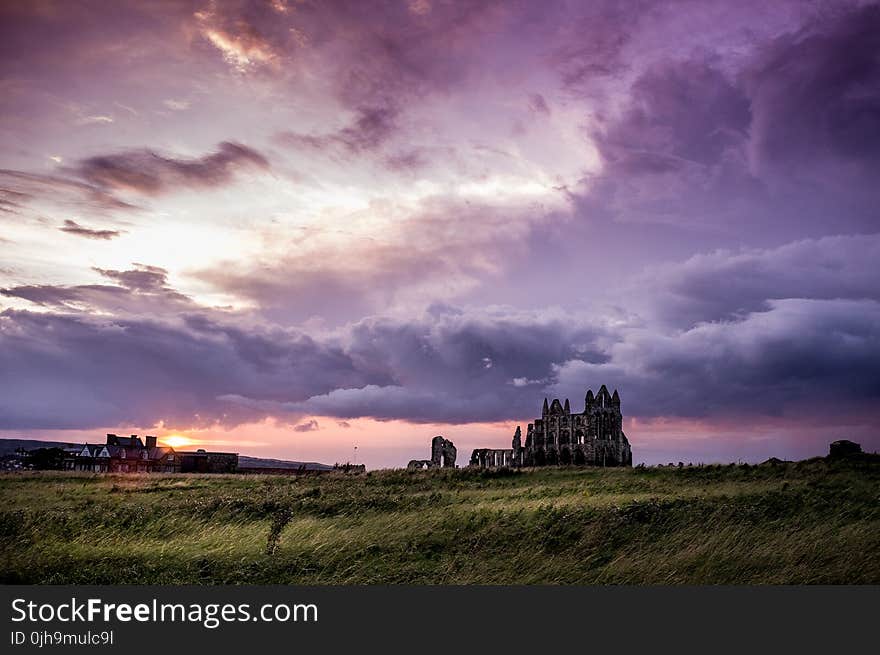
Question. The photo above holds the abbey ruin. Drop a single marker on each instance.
(592, 438)
(443, 455)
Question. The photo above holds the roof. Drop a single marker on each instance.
(129, 442)
(134, 453)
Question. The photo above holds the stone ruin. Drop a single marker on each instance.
(844, 448)
(593, 437)
(443, 455)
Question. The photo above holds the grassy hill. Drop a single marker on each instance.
(809, 522)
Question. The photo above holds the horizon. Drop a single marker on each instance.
(308, 227)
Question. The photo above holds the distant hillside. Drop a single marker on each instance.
(244, 461)
(9, 446)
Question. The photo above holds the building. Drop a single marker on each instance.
(443, 454)
(132, 455)
(202, 461)
(593, 437)
(122, 455)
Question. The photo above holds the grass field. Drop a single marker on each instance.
(810, 522)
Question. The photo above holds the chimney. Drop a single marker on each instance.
(111, 439)
(151, 441)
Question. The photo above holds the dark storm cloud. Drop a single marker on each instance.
(775, 332)
(815, 94)
(724, 285)
(149, 173)
(676, 150)
(96, 372)
(784, 143)
(450, 366)
(387, 59)
(678, 112)
(795, 359)
(72, 227)
(445, 365)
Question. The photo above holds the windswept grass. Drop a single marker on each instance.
(810, 522)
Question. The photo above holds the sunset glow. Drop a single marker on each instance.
(177, 441)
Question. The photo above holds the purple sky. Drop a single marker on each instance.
(309, 224)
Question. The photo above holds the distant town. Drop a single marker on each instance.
(131, 454)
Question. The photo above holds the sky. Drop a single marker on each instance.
(331, 230)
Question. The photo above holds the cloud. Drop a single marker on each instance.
(537, 104)
(776, 332)
(101, 371)
(771, 141)
(142, 290)
(442, 251)
(370, 129)
(93, 183)
(308, 426)
(408, 161)
(148, 173)
(11, 202)
(23, 189)
(203, 367)
(589, 41)
(795, 359)
(677, 149)
(141, 278)
(815, 95)
(776, 357)
(434, 366)
(72, 227)
(239, 39)
(94, 120)
(176, 105)
(723, 285)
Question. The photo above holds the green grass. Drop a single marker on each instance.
(809, 522)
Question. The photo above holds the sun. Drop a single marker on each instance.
(177, 441)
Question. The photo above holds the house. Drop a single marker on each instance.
(122, 455)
